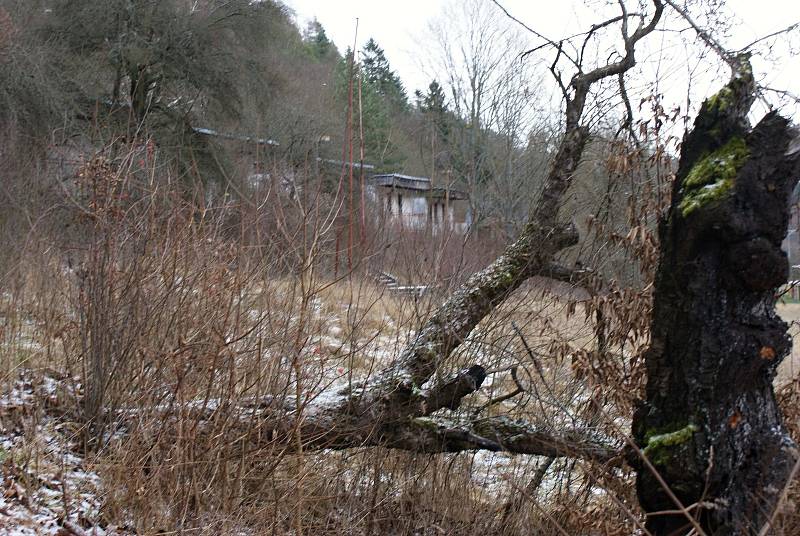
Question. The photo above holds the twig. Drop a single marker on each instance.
(768, 525)
(502, 398)
(788, 29)
(526, 495)
(707, 38)
(536, 481)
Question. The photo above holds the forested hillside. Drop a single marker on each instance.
(176, 71)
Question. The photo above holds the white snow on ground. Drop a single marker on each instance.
(46, 486)
(490, 471)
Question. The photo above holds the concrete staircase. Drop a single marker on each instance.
(392, 283)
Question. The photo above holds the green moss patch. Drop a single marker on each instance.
(727, 96)
(721, 100)
(425, 423)
(660, 447)
(712, 176)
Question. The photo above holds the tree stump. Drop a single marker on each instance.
(710, 425)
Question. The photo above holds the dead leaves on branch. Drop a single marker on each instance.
(620, 311)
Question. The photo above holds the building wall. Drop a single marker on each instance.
(414, 209)
(791, 244)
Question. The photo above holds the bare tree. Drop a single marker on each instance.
(490, 93)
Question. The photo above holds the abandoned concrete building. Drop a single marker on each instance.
(414, 203)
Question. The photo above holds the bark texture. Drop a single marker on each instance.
(268, 423)
(710, 425)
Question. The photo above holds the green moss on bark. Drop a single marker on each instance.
(661, 448)
(426, 423)
(712, 177)
(720, 101)
(725, 98)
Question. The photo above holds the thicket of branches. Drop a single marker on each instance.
(205, 300)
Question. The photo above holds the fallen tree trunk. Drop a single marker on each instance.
(395, 408)
(269, 422)
(710, 428)
(392, 397)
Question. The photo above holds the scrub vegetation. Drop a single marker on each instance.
(210, 323)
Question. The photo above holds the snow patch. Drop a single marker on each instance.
(46, 486)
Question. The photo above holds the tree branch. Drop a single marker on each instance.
(559, 272)
(501, 434)
(706, 37)
(449, 393)
(270, 422)
(788, 29)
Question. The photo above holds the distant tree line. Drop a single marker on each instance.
(138, 68)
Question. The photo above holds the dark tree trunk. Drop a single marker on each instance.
(710, 426)
(141, 85)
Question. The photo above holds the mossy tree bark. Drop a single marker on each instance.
(710, 426)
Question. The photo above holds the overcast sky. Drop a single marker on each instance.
(400, 28)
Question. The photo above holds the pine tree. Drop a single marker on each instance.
(376, 119)
(433, 104)
(317, 41)
(378, 73)
(434, 100)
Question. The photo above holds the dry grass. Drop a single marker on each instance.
(167, 310)
(166, 476)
